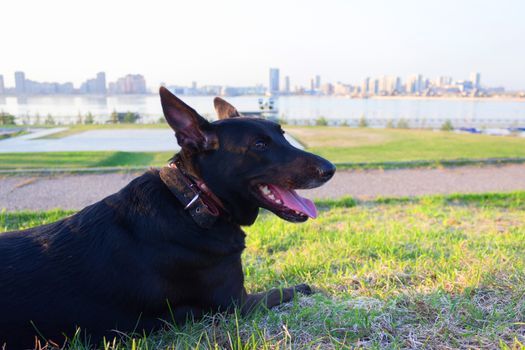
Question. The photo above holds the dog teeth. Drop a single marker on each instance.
(268, 194)
(265, 190)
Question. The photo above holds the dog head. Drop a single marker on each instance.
(246, 162)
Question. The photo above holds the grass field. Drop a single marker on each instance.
(14, 134)
(347, 145)
(344, 146)
(435, 272)
(82, 159)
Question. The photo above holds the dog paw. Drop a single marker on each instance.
(303, 288)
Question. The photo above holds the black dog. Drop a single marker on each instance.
(168, 245)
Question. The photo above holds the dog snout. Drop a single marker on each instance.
(326, 171)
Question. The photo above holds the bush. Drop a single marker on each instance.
(130, 117)
(321, 121)
(363, 123)
(49, 120)
(7, 119)
(113, 117)
(89, 119)
(390, 124)
(402, 124)
(447, 126)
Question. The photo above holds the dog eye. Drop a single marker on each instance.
(260, 145)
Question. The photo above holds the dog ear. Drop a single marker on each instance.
(192, 130)
(224, 109)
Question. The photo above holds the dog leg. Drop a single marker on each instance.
(273, 297)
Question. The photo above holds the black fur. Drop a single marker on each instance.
(136, 257)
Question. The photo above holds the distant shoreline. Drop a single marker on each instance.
(399, 97)
(449, 98)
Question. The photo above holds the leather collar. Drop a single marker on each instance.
(198, 200)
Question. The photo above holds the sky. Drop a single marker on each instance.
(232, 42)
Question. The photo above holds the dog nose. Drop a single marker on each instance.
(326, 171)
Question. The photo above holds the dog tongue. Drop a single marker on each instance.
(293, 201)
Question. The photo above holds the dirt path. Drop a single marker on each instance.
(77, 191)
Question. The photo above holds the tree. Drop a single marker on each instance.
(363, 123)
(402, 124)
(113, 118)
(7, 119)
(130, 117)
(89, 119)
(447, 126)
(49, 120)
(321, 121)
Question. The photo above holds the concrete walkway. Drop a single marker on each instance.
(77, 191)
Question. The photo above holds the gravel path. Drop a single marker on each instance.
(77, 191)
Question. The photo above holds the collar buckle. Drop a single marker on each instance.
(194, 199)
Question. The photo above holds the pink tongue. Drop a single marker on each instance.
(293, 201)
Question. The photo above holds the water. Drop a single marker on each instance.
(296, 109)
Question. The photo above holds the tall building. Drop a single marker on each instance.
(2, 87)
(317, 82)
(419, 84)
(96, 85)
(397, 85)
(20, 82)
(375, 87)
(130, 84)
(287, 84)
(384, 84)
(410, 85)
(274, 80)
(475, 78)
(101, 83)
(365, 88)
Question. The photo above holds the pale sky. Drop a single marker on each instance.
(235, 42)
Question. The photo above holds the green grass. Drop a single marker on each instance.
(347, 147)
(82, 159)
(14, 134)
(430, 272)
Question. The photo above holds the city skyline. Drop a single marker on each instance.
(384, 85)
(233, 42)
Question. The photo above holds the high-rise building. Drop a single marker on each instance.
(317, 82)
(411, 84)
(274, 80)
(365, 88)
(384, 86)
(101, 83)
(2, 87)
(287, 84)
(397, 85)
(475, 78)
(130, 84)
(419, 84)
(375, 87)
(20, 82)
(327, 89)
